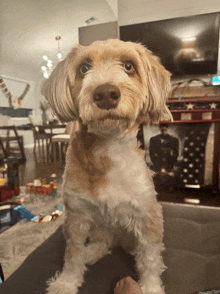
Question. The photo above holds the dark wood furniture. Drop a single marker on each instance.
(43, 139)
(12, 143)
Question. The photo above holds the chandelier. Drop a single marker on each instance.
(47, 65)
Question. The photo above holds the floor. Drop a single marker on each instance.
(35, 168)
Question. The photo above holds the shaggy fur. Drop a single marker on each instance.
(110, 87)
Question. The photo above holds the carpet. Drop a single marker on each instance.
(24, 237)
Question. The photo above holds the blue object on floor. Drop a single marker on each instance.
(60, 207)
(8, 217)
(25, 213)
(1, 275)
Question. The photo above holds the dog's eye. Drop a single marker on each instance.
(84, 68)
(129, 68)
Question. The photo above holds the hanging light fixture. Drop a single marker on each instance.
(47, 66)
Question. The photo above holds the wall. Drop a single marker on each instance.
(16, 76)
(138, 11)
(89, 34)
(114, 6)
(18, 70)
(26, 74)
(16, 87)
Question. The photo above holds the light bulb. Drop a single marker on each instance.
(46, 75)
(59, 55)
(49, 64)
(45, 57)
(43, 68)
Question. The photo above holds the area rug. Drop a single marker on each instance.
(24, 237)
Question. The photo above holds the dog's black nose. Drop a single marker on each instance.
(106, 96)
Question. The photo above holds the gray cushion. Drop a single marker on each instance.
(192, 255)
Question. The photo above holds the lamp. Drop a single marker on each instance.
(47, 65)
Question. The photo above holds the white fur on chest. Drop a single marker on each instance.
(129, 179)
(130, 191)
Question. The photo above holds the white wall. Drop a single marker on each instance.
(104, 31)
(16, 87)
(114, 6)
(16, 77)
(138, 11)
(25, 74)
(18, 70)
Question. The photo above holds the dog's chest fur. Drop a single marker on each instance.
(129, 178)
(127, 191)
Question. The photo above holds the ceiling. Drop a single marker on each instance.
(28, 27)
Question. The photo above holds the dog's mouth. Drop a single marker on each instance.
(114, 120)
(110, 123)
(112, 117)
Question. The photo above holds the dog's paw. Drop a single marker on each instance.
(152, 289)
(60, 288)
(59, 285)
(146, 289)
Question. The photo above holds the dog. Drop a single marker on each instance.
(110, 88)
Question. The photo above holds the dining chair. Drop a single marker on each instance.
(42, 140)
(60, 142)
(59, 146)
(11, 142)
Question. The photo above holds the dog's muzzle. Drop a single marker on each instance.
(106, 96)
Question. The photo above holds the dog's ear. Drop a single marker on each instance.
(57, 90)
(156, 80)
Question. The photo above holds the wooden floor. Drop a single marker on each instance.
(35, 168)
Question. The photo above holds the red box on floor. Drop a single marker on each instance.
(46, 189)
(6, 193)
(16, 190)
(38, 190)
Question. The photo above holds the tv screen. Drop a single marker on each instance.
(186, 46)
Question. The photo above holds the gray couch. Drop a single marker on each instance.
(192, 256)
(192, 240)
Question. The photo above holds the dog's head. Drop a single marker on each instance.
(109, 85)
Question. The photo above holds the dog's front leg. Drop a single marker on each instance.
(77, 255)
(150, 266)
(148, 257)
(71, 277)
(75, 228)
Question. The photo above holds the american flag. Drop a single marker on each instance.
(193, 165)
(195, 110)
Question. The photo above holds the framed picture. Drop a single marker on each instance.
(182, 154)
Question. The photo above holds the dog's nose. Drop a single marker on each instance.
(106, 96)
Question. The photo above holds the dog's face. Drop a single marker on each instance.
(110, 85)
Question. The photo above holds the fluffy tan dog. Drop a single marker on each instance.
(110, 87)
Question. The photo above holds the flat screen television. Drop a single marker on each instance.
(186, 46)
